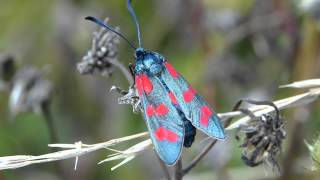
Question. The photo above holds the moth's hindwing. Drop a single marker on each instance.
(163, 120)
(195, 108)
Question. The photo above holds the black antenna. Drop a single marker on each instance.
(101, 23)
(133, 15)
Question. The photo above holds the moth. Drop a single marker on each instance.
(172, 109)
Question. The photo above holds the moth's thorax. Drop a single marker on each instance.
(149, 62)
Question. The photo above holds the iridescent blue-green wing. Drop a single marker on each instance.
(194, 107)
(163, 120)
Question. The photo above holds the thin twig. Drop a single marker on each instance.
(199, 157)
(178, 173)
(205, 151)
(52, 136)
(124, 70)
(50, 123)
(164, 168)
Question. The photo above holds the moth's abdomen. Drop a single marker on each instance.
(189, 133)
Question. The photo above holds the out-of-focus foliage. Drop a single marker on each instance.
(227, 49)
(315, 154)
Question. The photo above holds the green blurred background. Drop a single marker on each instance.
(227, 50)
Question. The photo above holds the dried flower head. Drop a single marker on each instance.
(262, 137)
(103, 53)
(30, 91)
(7, 70)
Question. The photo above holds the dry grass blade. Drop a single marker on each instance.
(310, 83)
(129, 153)
(74, 151)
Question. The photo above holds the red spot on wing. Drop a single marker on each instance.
(162, 110)
(150, 110)
(173, 98)
(139, 84)
(189, 94)
(205, 115)
(171, 70)
(192, 90)
(147, 84)
(162, 134)
(171, 136)
(143, 83)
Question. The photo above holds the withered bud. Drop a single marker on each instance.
(7, 70)
(103, 52)
(30, 91)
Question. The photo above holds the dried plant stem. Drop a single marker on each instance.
(205, 151)
(124, 70)
(73, 151)
(50, 123)
(199, 157)
(178, 174)
(164, 168)
(53, 137)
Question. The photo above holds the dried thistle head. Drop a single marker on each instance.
(30, 91)
(103, 53)
(262, 138)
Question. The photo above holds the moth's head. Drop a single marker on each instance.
(148, 61)
(140, 53)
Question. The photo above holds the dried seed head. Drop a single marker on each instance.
(262, 140)
(262, 137)
(30, 91)
(7, 70)
(103, 52)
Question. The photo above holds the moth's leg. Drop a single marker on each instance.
(137, 106)
(118, 90)
(133, 75)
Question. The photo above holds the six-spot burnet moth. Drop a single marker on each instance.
(172, 109)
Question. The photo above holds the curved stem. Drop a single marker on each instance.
(199, 157)
(124, 70)
(52, 136)
(178, 173)
(50, 123)
(164, 168)
(205, 150)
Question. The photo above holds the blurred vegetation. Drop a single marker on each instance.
(226, 49)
